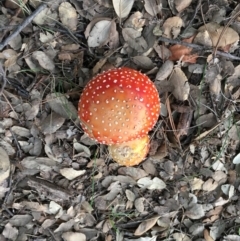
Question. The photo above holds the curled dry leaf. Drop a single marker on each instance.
(152, 7)
(139, 204)
(44, 60)
(21, 131)
(73, 236)
(122, 7)
(60, 104)
(195, 211)
(183, 52)
(165, 70)
(155, 183)
(146, 225)
(181, 236)
(211, 35)
(135, 21)
(196, 184)
(38, 163)
(172, 27)
(180, 5)
(162, 51)
(143, 62)
(134, 39)
(4, 165)
(71, 173)
(228, 190)
(68, 15)
(46, 16)
(99, 33)
(180, 83)
(51, 123)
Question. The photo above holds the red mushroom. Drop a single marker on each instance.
(118, 106)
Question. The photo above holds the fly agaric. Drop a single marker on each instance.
(118, 106)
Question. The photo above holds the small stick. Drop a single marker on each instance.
(22, 25)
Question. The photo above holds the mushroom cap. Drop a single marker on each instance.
(119, 105)
(130, 153)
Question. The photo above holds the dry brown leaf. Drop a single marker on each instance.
(44, 60)
(209, 185)
(172, 27)
(162, 51)
(122, 7)
(4, 165)
(134, 39)
(209, 35)
(165, 70)
(21, 131)
(195, 211)
(180, 83)
(130, 195)
(38, 163)
(196, 184)
(207, 235)
(68, 15)
(145, 226)
(51, 123)
(73, 236)
(181, 237)
(152, 7)
(135, 21)
(138, 203)
(59, 103)
(207, 121)
(143, 62)
(46, 16)
(180, 5)
(134, 172)
(183, 52)
(10, 232)
(99, 34)
(71, 173)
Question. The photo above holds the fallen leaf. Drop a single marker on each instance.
(51, 123)
(71, 173)
(195, 211)
(68, 15)
(138, 203)
(73, 236)
(152, 7)
(196, 184)
(210, 35)
(143, 62)
(10, 232)
(181, 5)
(99, 34)
(172, 27)
(60, 104)
(44, 60)
(180, 82)
(181, 237)
(145, 226)
(165, 70)
(122, 7)
(4, 165)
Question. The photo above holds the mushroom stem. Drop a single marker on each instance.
(130, 153)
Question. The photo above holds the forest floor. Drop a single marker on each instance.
(58, 184)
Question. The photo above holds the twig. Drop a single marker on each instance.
(198, 47)
(22, 25)
(2, 72)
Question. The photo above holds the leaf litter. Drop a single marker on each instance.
(55, 182)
